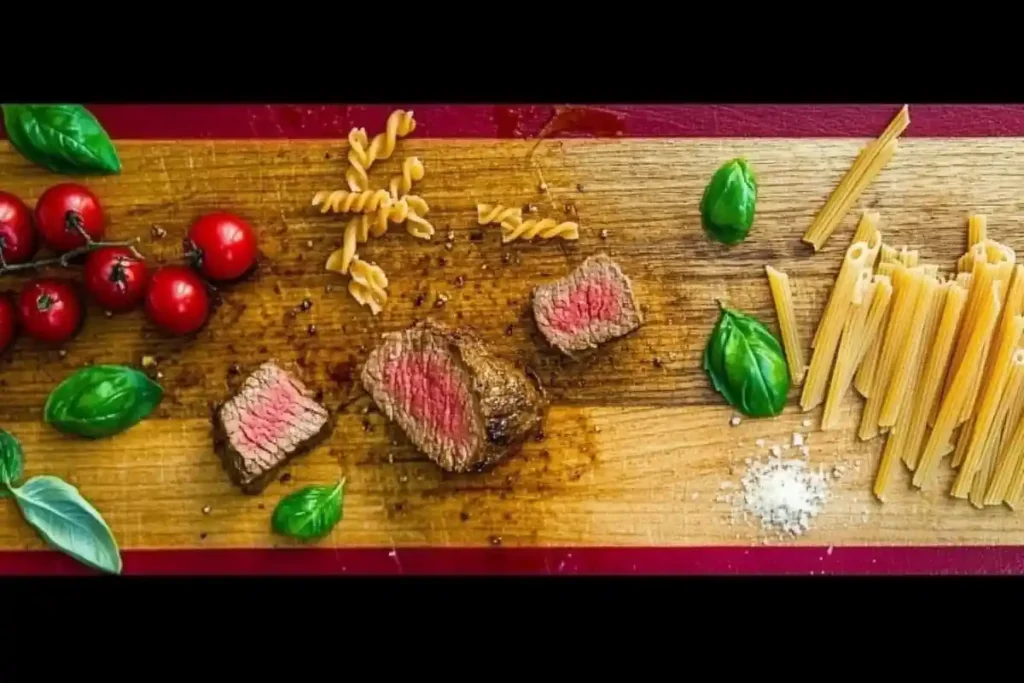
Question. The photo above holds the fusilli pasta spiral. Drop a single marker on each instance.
(358, 159)
(545, 228)
(412, 172)
(496, 213)
(368, 285)
(343, 201)
(400, 123)
(356, 231)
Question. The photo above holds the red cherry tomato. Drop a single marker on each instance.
(222, 246)
(49, 310)
(115, 278)
(8, 322)
(176, 300)
(62, 210)
(17, 236)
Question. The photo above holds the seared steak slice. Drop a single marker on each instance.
(265, 425)
(591, 305)
(458, 404)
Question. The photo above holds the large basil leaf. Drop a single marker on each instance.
(65, 138)
(12, 460)
(102, 400)
(746, 365)
(729, 203)
(68, 522)
(309, 513)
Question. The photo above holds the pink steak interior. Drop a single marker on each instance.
(280, 416)
(595, 300)
(425, 386)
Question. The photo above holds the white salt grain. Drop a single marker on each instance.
(735, 420)
(695, 496)
(776, 451)
(759, 443)
(725, 485)
(807, 423)
(798, 439)
(783, 494)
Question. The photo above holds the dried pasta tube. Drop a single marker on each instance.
(977, 229)
(888, 254)
(867, 165)
(906, 286)
(821, 360)
(907, 351)
(782, 295)
(1005, 346)
(949, 411)
(982, 278)
(859, 334)
(898, 436)
(1004, 461)
(927, 394)
(834, 309)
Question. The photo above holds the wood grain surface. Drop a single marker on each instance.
(637, 449)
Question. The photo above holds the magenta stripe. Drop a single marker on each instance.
(275, 121)
(858, 560)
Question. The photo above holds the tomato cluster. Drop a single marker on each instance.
(69, 218)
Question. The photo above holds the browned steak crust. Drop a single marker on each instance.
(270, 399)
(552, 302)
(506, 407)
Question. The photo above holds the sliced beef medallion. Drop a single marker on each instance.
(591, 305)
(270, 421)
(461, 406)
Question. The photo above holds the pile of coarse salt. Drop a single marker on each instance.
(782, 494)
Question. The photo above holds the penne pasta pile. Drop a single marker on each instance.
(937, 359)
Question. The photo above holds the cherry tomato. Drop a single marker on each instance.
(49, 310)
(116, 278)
(8, 322)
(222, 246)
(65, 208)
(17, 236)
(176, 300)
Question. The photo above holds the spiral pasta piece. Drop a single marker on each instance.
(413, 171)
(400, 123)
(546, 228)
(343, 201)
(420, 227)
(496, 213)
(356, 231)
(364, 296)
(358, 159)
(368, 285)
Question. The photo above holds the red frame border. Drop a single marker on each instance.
(278, 121)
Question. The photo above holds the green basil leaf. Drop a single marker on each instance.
(68, 522)
(309, 513)
(65, 138)
(12, 459)
(102, 400)
(747, 365)
(729, 202)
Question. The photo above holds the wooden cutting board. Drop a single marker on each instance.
(637, 450)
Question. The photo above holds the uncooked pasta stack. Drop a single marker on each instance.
(859, 333)
(866, 167)
(993, 479)
(782, 295)
(906, 286)
(925, 398)
(847, 292)
(977, 333)
(867, 232)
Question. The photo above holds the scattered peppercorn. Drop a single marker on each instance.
(420, 298)
(442, 299)
(311, 329)
(234, 369)
(657, 362)
(506, 258)
(328, 288)
(604, 233)
(442, 261)
(495, 540)
(285, 478)
(306, 304)
(464, 516)
(508, 330)
(460, 281)
(157, 232)
(62, 353)
(579, 187)
(262, 506)
(202, 536)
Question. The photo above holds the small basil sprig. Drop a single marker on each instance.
(746, 365)
(729, 202)
(310, 513)
(101, 400)
(58, 512)
(64, 138)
